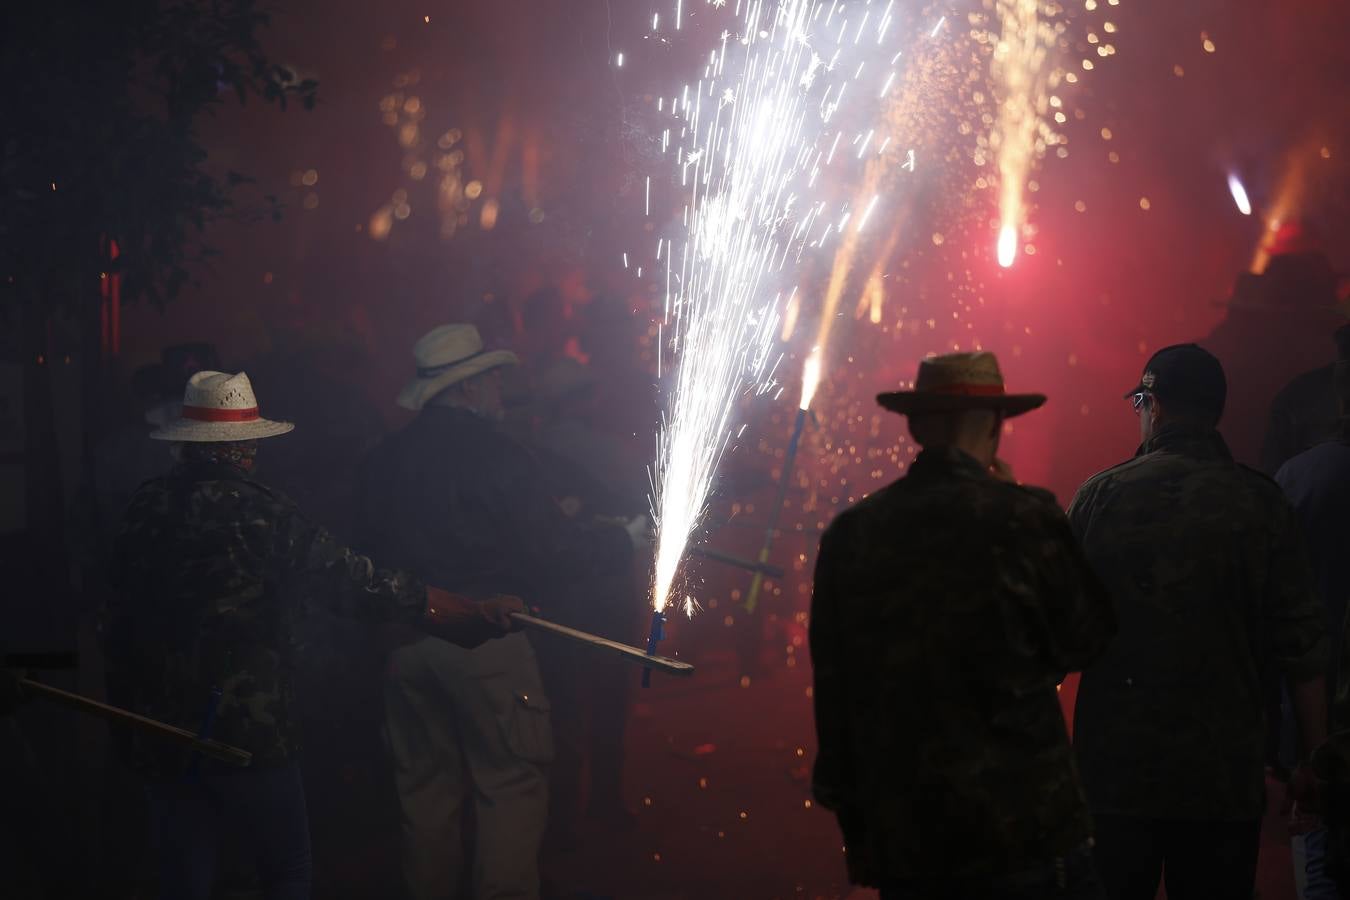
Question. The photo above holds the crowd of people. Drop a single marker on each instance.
(1202, 600)
(949, 607)
(506, 490)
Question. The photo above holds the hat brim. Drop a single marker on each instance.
(195, 431)
(417, 392)
(909, 403)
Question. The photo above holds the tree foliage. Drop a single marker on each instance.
(102, 107)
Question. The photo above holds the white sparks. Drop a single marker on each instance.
(745, 157)
(619, 62)
(938, 27)
(867, 212)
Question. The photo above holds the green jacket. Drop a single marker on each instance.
(947, 607)
(211, 570)
(1212, 585)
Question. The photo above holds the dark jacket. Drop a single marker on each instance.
(455, 500)
(947, 607)
(1303, 414)
(211, 571)
(1317, 483)
(1211, 582)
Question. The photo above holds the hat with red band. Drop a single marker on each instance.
(959, 381)
(219, 407)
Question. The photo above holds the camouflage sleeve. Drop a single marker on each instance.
(1080, 508)
(1059, 618)
(1294, 621)
(343, 582)
(1080, 619)
(830, 783)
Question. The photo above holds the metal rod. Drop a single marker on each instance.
(635, 654)
(759, 568)
(214, 749)
(789, 460)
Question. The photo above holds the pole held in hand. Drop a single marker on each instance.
(633, 654)
(214, 749)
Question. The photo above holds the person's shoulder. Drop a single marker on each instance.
(245, 493)
(859, 513)
(1121, 471)
(1311, 380)
(1029, 501)
(1259, 483)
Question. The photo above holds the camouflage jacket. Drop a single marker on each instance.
(946, 609)
(211, 570)
(1212, 585)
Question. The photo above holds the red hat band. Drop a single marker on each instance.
(966, 390)
(211, 414)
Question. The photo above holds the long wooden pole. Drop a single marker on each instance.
(633, 654)
(214, 749)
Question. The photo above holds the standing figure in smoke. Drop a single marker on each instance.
(453, 498)
(1276, 322)
(1317, 483)
(1211, 582)
(947, 607)
(211, 571)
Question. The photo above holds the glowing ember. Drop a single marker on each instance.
(1007, 245)
(1021, 71)
(1239, 194)
(810, 378)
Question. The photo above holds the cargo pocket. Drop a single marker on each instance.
(529, 733)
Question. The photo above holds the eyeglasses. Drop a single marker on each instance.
(1139, 400)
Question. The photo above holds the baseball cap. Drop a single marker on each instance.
(1186, 373)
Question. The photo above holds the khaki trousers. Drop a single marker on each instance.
(469, 726)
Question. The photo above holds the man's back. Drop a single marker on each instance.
(463, 505)
(947, 607)
(1211, 586)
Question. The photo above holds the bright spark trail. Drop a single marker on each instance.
(1239, 193)
(753, 131)
(1021, 72)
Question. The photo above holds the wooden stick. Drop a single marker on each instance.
(759, 568)
(634, 654)
(214, 749)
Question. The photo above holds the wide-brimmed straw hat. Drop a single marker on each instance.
(218, 406)
(959, 381)
(445, 356)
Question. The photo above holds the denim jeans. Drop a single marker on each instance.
(264, 808)
(1071, 877)
(1310, 867)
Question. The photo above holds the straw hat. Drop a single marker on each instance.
(445, 356)
(956, 382)
(218, 407)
